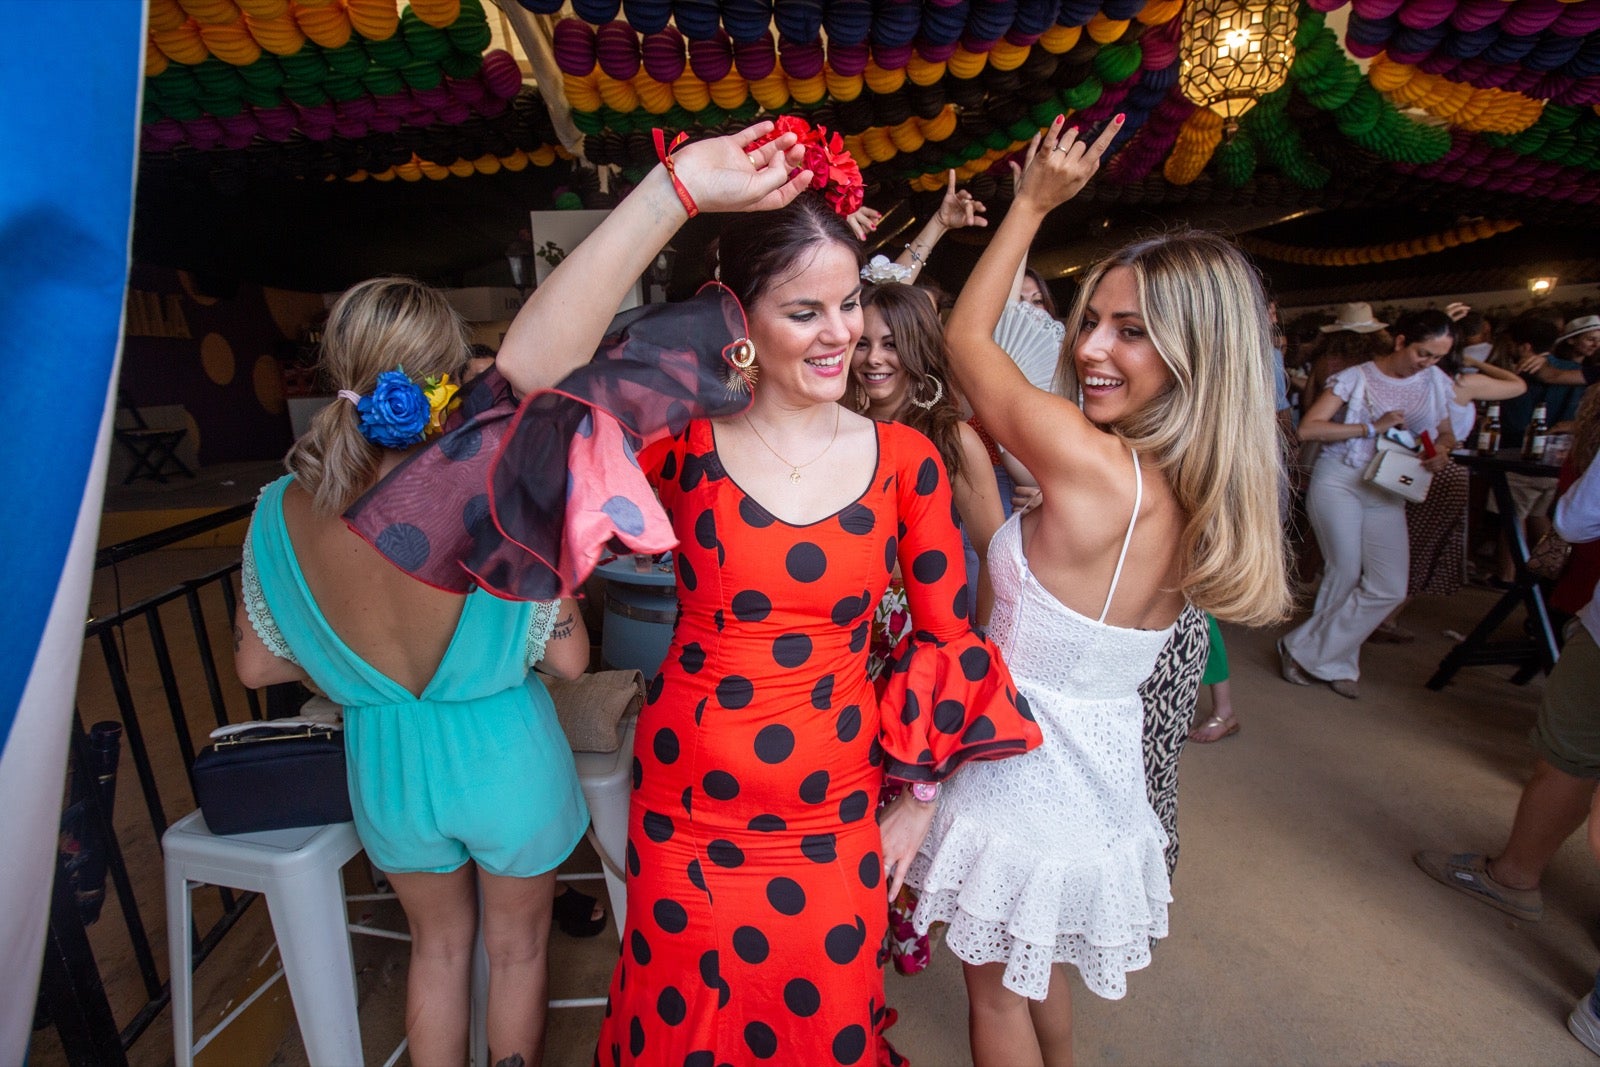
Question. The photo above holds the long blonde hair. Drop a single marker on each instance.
(376, 326)
(1214, 433)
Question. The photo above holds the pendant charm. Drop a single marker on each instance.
(794, 476)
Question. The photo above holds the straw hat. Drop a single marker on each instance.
(1579, 326)
(1357, 318)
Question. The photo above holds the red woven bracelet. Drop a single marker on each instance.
(665, 151)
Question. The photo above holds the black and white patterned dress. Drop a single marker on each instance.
(1169, 697)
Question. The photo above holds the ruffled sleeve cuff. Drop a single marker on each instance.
(947, 702)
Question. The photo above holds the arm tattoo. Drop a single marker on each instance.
(238, 638)
(560, 632)
(513, 1060)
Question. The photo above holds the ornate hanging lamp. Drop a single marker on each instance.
(1234, 52)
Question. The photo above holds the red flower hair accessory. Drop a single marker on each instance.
(835, 170)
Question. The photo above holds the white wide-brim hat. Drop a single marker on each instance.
(1357, 318)
(1579, 326)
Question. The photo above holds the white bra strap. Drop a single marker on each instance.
(1138, 499)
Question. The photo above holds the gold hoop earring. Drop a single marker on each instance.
(938, 394)
(742, 372)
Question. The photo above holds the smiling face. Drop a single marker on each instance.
(1118, 366)
(876, 365)
(1584, 345)
(805, 327)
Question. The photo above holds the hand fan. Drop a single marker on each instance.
(1033, 341)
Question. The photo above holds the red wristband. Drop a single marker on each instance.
(665, 151)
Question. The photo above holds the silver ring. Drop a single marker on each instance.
(1058, 148)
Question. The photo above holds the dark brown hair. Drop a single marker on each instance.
(1046, 300)
(761, 248)
(919, 344)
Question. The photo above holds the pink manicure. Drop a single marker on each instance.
(1120, 117)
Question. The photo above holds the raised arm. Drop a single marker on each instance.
(957, 211)
(558, 328)
(1490, 383)
(1039, 427)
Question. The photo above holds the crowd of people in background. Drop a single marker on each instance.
(950, 575)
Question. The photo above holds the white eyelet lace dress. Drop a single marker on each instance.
(1056, 855)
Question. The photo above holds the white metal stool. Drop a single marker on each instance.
(607, 780)
(298, 871)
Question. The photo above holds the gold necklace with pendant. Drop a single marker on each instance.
(794, 468)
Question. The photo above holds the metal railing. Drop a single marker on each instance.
(137, 673)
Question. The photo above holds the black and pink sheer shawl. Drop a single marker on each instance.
(523, 500)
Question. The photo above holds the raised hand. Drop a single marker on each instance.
(727, 174)
(863, 221)
(1060, 164)
(959, 210)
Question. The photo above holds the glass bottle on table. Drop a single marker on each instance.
(1487, 441)
(1538, 435)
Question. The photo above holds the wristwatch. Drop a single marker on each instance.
(926, 792)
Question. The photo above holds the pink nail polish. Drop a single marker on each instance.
(1120, 117)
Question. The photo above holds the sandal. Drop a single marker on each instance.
(1468, 873)
(578, 914)
(1214, 729)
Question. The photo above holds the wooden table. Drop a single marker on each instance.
(1530, 654)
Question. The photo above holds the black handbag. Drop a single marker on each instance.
(273, 776)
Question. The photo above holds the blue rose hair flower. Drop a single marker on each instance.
(396, 413)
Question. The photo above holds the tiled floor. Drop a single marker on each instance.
(1301, 932)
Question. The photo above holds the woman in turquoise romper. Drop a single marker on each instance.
(460, 777)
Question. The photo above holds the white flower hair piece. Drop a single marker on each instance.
(879, 270)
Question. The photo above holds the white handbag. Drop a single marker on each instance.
(1398, 470)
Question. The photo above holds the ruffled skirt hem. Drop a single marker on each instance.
(1006, 903)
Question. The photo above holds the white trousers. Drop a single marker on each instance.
(1367, 558)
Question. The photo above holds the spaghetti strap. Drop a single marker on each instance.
(1138, 499)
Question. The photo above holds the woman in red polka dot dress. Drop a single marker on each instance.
(757, 874)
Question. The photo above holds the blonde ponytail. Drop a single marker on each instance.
(378, 325)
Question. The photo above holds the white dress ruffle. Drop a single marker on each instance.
(1056, 855)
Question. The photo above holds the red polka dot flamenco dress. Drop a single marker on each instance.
(756, 895)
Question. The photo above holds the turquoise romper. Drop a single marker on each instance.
(476, 768)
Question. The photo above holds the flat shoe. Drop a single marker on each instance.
(1468, 872)
(1292, 671)
(1229, 726)
(1348, 688)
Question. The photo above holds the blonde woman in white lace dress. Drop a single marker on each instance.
(1161, 491)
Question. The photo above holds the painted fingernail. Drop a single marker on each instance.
(1120, 117)
(1059, 118)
